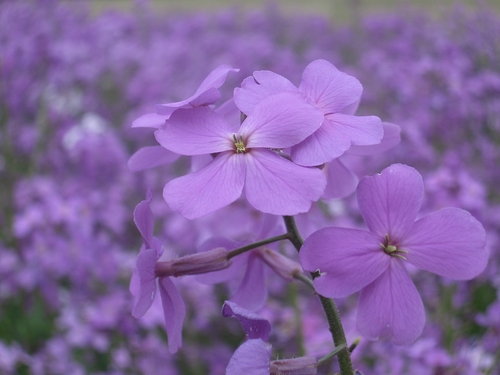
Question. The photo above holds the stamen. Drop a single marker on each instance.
(239, 144)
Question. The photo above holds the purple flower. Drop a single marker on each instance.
(335, 93)
(245, 158)
(148, 269)
(449, 242)
(206, 94)
(252, 357)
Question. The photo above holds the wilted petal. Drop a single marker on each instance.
(341, 181)
(150, 120)
(391, 138)
(212, 187)
(256, 88)
(174, 312)
(251, 358)
(252, 292)
(144, 220)
(391, 306)
(331, 89)
(255, 327)
(277, 186)
(149, 157)
(145, 268)
(347, 259)
(280, 121)
(449, 242)
(390, 201)
(195, 131)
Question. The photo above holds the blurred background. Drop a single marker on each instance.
(75, 74)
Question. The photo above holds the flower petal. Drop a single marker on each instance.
(327, 86)
(215, 186)
(449, 242)
(144, 220)
(149, 157)
(281, 120)
(323, 146)
(195, 131)
(392, 137)
(391, 305)
(255, 326)
(347, 259)
(174, 312)
(341, 181)
(360, 130)
(145, 267)
(259, 86)
(390, 201)
(252, 292)
(251, 358)
(150, 120)
(277, 186)
(207, 93)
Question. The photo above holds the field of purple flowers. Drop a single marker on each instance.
(71, 84)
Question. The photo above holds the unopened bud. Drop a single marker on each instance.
(280, 264)
(294, 366)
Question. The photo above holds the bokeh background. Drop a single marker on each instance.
(74, 75)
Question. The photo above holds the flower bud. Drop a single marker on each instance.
(294, 366)
(280, 264)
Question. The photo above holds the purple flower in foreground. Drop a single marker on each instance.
(252, 357)
(449, 242)
(335, 93)
(206, 94)
(148, 269)
(245, 158)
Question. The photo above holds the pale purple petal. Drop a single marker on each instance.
(195, 131)
(207, 93)
(392, 137)
(145, 268)
(237, 263)
(254, 326)
(144, 220)
(324, 145)
(361, 130)
(174, 312)
(252, 292)
(150, 120)
(331, 89)
(280, 121)
(212, 187)
(391, 306)
(341, 181)
(347, 259)
(351, 108)
(449, 242)
(256, 88)
(390, 201)
(149, 157)
(277, 186)
(251, 358)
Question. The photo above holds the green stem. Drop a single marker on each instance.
(331, 311)
(254, 245)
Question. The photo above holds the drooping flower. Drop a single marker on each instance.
(252, 357)
(148, 269)
(335, 93)
(449, 242)
(246, 160)
(206, 94)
